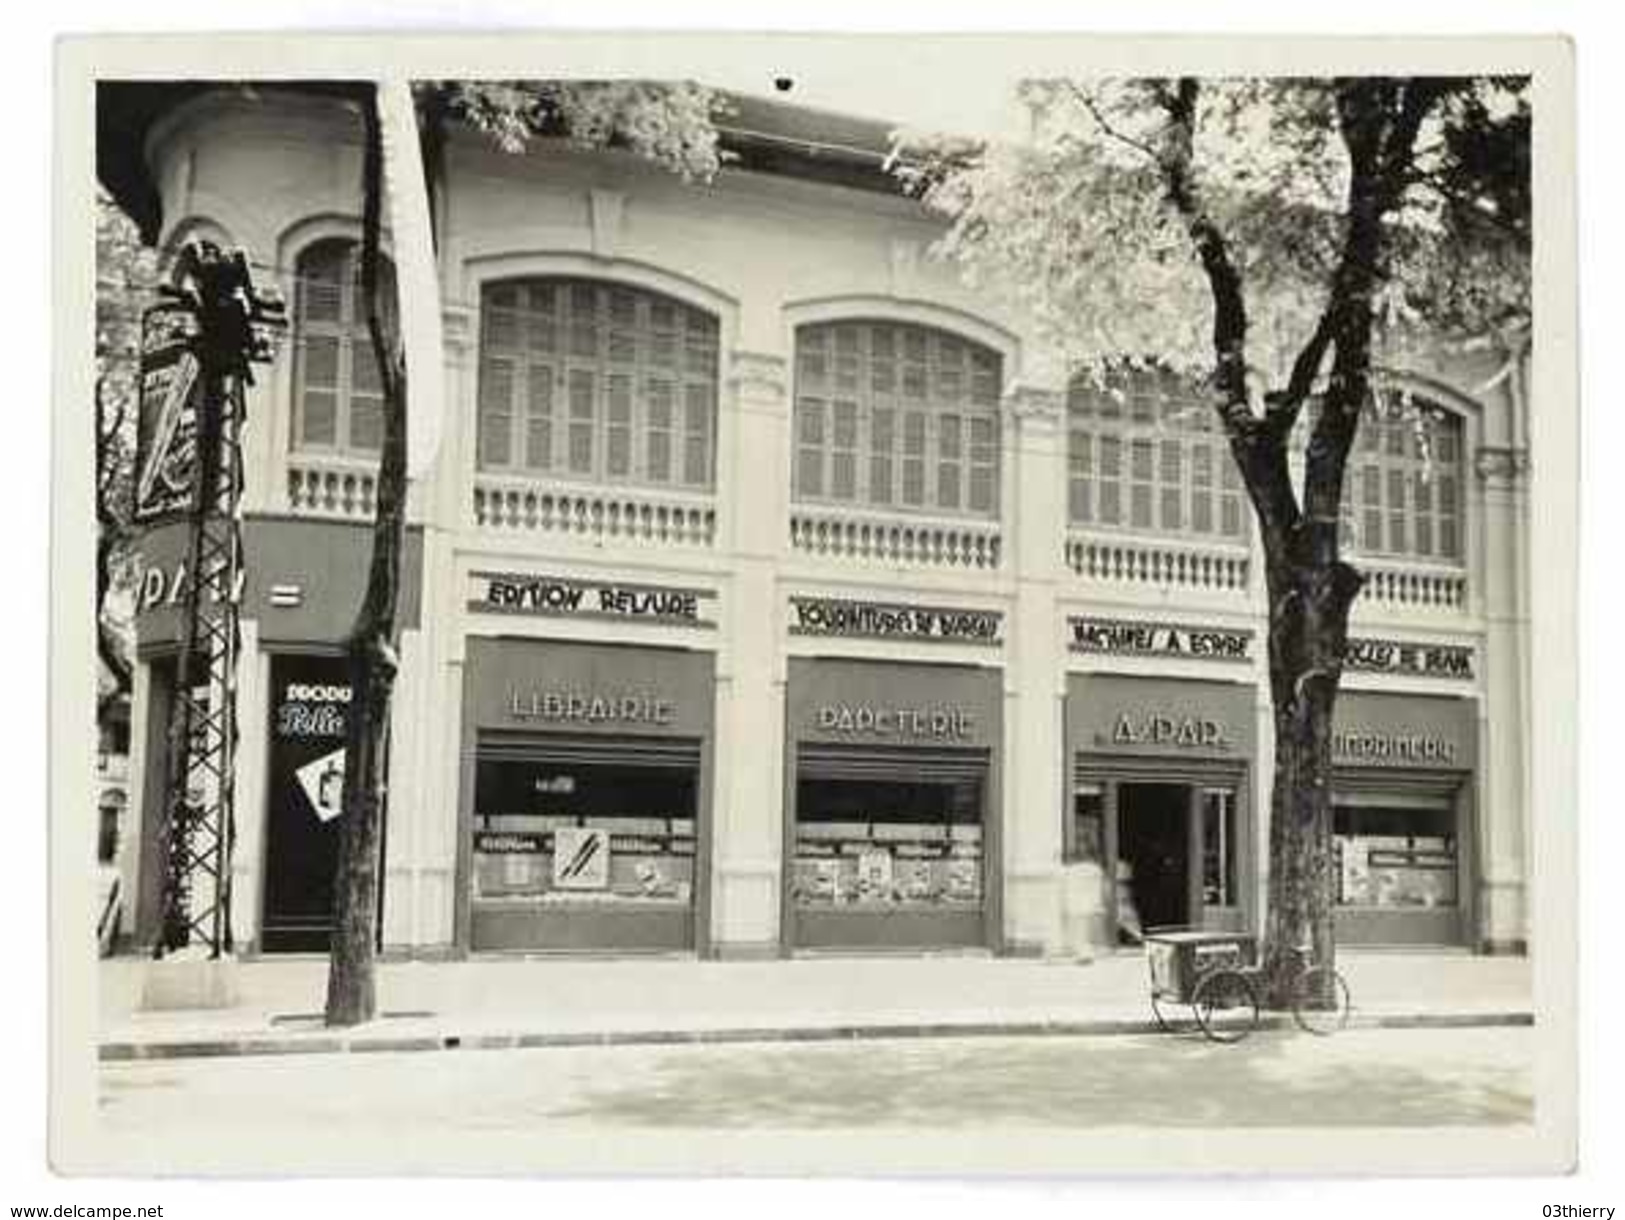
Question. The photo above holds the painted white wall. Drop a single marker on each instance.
(766, 254)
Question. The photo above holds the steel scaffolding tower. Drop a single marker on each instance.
(223, 326)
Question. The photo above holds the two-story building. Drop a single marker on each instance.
(773, 591)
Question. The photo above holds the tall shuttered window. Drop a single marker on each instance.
(337, 396)
(597, 382)
(896, 417)
(1402, 494)
(1144, 454)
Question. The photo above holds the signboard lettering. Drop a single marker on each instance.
(1124, 638)
(944, 722)
(829, 616)
(590, 708)
(1401, 746)
(1400, 657)
(1177, 732)
(166, 415)
(503, 593)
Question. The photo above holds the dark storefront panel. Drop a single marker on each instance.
(1159, 798)
(585, 782)
(1402, 818)
(891, 834)
(310, 703)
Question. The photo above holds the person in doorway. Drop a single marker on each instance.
(1129, 931)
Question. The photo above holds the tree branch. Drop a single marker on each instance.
(1093, 107)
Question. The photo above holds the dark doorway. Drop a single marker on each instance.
(310, 704)
(1153, 837)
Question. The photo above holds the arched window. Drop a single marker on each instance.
(1402, 493)
(896, 416)
(337, 398)
(601, 382)
(1145, 453)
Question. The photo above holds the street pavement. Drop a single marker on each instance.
(516, 1002)
(1412, 1078)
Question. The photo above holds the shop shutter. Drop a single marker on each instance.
(582, 749)
(899, 764)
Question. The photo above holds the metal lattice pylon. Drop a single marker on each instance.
(198, 816)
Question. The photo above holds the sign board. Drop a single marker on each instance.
(323, 783)
(1410, 658)
(167, 414)
(1171, 717)
(1119, 637)
(580, 858)
(833, 616)
(566, 597)
(1408, 732)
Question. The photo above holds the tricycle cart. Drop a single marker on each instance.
(1211, 972)
(1218, 975)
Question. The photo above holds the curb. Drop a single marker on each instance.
(380, 1043)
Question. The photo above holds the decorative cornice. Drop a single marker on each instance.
(457, 327)
(1029, 402)
(1496, 464)
(757, 375)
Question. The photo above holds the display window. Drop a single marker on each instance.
(1219, 847)
(549, 833)
(1395, 857)
(879, 843)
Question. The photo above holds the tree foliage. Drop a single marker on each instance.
(1078, 227)
(670, 123)
(126, 274)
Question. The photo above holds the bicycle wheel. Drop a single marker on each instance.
(1226, 1005)
(1320, 1001)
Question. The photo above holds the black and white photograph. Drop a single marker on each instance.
(697, 605)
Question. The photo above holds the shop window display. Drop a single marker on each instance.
(872, 843)
(590, 833)
(1219, 847)
(1395, 857)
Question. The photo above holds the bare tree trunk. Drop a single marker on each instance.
(352, 995)
(1311, 590)
(1309, 609)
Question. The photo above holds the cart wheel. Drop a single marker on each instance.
(1226, 1005)
(1164, 1022)
(1320, 1001)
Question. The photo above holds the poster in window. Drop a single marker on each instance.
(167, 415)
(580, 858)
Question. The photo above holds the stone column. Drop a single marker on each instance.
(1034, 766)
(748, 752)
(1500, 819)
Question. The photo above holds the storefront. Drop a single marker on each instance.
(585, 794)
(891, 826)
(1402, 818)
(1159, 799)
(303, 581)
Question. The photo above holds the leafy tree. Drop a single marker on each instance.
(126, 274)
(668, 123)
(1265, 237)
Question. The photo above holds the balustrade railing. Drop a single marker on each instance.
(600, 514)
(1404, 587)
(1130, 561)
(878, 539)
(331, 487)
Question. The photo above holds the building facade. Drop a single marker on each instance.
(773, 591)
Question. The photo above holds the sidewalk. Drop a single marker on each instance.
(509, 1002)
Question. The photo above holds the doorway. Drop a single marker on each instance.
(1154, 840)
